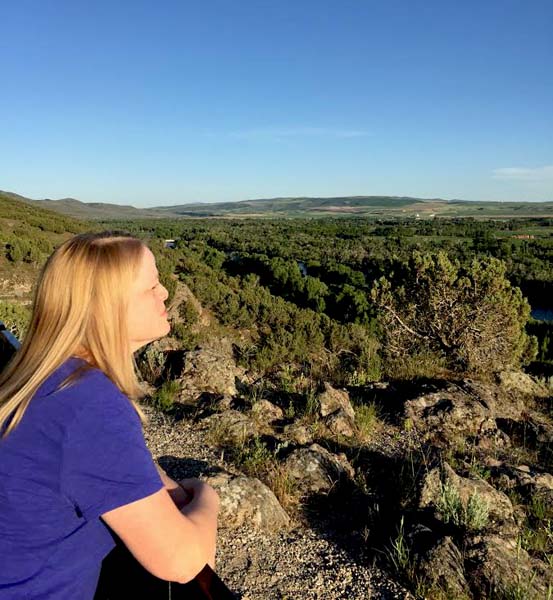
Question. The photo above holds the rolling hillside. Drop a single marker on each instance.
(363, 206)
(28, 234)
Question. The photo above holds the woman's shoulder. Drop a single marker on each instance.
(76, 374)
(76, 386)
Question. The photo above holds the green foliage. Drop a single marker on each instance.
(188, 313)
(151, 363)
(253, 457)
(15, 317)
(471, 316)
(366, 418)
(472, 517)
(302, 290)
(164, 396)
(399, 554)
(187, 339)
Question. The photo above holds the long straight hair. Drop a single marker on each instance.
(80, 305)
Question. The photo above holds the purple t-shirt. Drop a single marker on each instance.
(76, 454)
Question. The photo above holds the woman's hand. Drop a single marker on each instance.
(199, 502)
(178, 494)
(202, 499)
(198, 490)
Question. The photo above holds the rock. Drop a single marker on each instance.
(337, 411)
(340, 423)
(225, 403)
(246, 500)
(266, 412)
(469, 409)
(333, 400)
(298, 433)
(316, 469)
(442, 566)
(231, 425)
(527, 482)
(499, 507)
(210, 368)
(448, 415)
(523, 383)
(499, 567)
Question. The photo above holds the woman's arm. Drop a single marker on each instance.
(202, 505)
(179, 496)
(172, 544)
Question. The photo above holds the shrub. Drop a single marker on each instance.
(188, 313)
(151, 364)
(15, 317)
(182, 332)
(366, 418)
(164, 396)
(472, 517)
(469, 316)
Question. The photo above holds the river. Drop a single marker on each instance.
(542, 314)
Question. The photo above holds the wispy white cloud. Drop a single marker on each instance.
(522, 174)
(288, 132)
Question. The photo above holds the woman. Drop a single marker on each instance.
(75, 473)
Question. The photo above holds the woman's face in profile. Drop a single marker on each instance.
(147, 317)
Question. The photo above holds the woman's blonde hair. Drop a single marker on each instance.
(80, 305)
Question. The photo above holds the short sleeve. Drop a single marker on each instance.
(106, 463)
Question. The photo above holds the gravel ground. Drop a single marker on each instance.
(296, 564)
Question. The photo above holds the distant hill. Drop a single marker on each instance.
(364, 206)
(301, 206)
(21, 214)
(89, 210)
(28, 235)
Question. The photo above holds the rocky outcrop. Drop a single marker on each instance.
(441, 566)
(487, 415)
(464, 542)
(522, 383)
(450, 415)
(266, 412)
(337, 412)
(230, 426)
(209, 368)
(316, 469)
(442, 488)
(499, 567)
(245, 500)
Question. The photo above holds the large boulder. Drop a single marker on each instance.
(500, 568)
(316, 469)
(441, 566)
(522, 383)
(210, 368)
(457, 499)
(469, 409)
(265, 412)
(230, 426)
(247, 501)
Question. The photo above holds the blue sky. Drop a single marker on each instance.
(171, 102)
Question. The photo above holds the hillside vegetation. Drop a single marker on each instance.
(374, 207)
(367, 376)
(28, 235)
